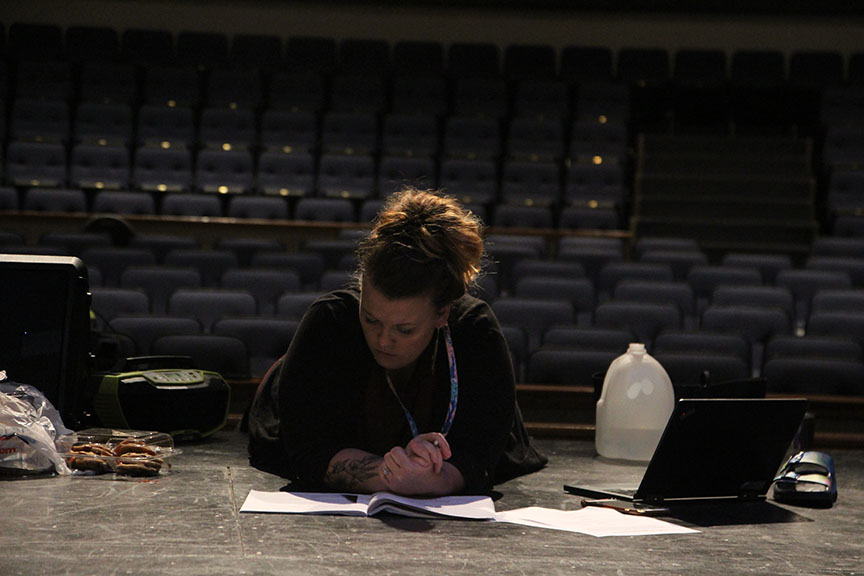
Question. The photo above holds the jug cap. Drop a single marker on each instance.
(636, 348)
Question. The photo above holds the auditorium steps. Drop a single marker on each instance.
(730, 193)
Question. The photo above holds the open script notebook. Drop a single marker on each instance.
(714, 449)
(464, 507)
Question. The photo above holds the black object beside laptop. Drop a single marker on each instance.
(712, 450)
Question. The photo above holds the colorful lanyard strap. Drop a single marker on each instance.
(454, 390)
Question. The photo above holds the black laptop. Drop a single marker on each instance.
(714, 449)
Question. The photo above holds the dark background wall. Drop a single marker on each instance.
(787, 26)
(771, 7)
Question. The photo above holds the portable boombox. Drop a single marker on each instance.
(166, 394)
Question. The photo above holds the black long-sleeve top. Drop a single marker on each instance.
(331, 395)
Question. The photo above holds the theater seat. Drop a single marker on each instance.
(209, 305)
(143, 330)
(225, 355)
(266, 339)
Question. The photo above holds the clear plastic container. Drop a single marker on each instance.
(126, 453)
(634, 407)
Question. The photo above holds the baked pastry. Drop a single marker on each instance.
(135, 458)
(90, 456)
(139, 466)
(133, 447)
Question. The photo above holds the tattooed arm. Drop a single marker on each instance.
(401, 470)
(353, 470)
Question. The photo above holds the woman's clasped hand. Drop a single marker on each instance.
(416, 465)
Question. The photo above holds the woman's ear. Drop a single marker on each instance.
(441, 316)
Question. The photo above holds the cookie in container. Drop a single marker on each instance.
(132, 453)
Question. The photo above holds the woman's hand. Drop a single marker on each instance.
(430, 449)
(420, 467)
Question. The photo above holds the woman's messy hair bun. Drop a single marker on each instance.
(422, 242)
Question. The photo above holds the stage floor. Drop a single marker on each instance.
(188, 522)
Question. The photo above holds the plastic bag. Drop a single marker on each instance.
(31, 431)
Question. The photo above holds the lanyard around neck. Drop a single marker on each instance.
(454, 390)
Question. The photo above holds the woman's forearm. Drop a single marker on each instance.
(448, 481)
(353, 470)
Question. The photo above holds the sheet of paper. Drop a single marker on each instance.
(303, 503)
(594, 521)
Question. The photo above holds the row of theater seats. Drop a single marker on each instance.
(540, 135)
(594, 214)
(530, 159)
(812, 365)
(558, 118)
(751, 315)
(733, 341)
(603, 261)
(246, 346)
(149, 111)
(697, 72)
(514, 180)
(588, 289)
(213, 50)
(129, 124)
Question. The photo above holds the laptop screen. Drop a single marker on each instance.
(721, 448)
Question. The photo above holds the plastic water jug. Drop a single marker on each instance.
(633, 409)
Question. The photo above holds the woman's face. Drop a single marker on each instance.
(397, 331)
